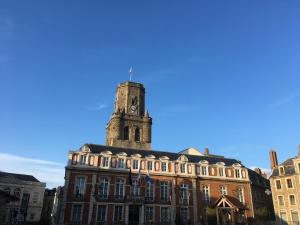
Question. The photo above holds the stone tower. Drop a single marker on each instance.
(129, 125)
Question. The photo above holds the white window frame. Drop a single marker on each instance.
(152, 163)
(206, 197)
(166, 167)
(114, 213)
(105, 216)
(123, 190)
(84, 185)
(81, 211)
(223, 171)
(276, 184)
(165, 191)
(135, 164)
(153, 212)
(204, 168)
(223, 190)
(279, 200)
(105, 164)
(122, 165)
(295, 202)
(286, 183)
(104, 195)
(183, 168)
(168, 214)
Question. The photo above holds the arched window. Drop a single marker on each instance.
(126, 133)
(137, 134)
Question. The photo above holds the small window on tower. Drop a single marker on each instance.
(126, 133)
(137, 134)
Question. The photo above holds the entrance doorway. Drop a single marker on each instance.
(134, 215)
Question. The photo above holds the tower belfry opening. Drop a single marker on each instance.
(129, 125)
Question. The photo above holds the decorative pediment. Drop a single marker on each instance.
(106, 153)
(203, 162)
(164, 158)
(236, 165)
(150, 157)
(220, 163)
(136, 156)
(85, 149)
(121, 154)
(182, 158)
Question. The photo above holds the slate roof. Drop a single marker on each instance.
(22, 177)
(173, 156)
(257, 179)
(289, 168)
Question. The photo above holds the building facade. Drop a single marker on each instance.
(29, 194)
(285, 185)
(126, 182)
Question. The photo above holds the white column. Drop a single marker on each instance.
(194, 186)
(126, 214)
(92, 198)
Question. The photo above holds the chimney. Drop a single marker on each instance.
(298, 151)
(273, 159)
(258, 171)
(206, 151)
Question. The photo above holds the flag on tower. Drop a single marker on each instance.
(147, 178)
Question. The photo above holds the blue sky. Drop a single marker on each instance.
(218, 74)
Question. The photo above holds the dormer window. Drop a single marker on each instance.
(182, 168)
(221, 172)
(135, 164)
(126, 133)
(204, 170)
(164, 167)
(105, 162)
(281, 170)
(82, 159)
(237, 173)
(150, 165)
(121, 163)
(137, 135)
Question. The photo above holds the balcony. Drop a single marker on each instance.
(109, 198)
(149, 199)
(135, 199)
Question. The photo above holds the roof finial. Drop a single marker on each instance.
(130, 73)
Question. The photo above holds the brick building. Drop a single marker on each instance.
(125, 182)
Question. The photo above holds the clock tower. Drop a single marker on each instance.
(129, 125)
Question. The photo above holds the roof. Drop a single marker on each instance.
(173, 156)
(22, 177)
(288, 165)
(233, 201)
(258, 179)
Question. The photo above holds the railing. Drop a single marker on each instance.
(135, 198)
(165, 201)
(149, 199)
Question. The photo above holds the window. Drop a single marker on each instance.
(223, 190)
(135, 188)
(204, 170)
(126, 133)
(105, 162)
(17, 192)
(182, 168)
(35, 198)
(281, 170)
(206, 197)
(295, 217)
(150, 165)
(135, 164)
(221, 172)
(292, 200)
(137, 134)
(164, 191)
(119, 188)
(183, 214)
(121, 163)
(79, 186)
(184, 193)
(289, 183)
(148, 214)
(103, 188)
(76, 215)
(278, 184)
(118, 213)
(280, 200)
(82, 159)
(164, 214)
(101, 213)
(283, 217)
(240, 194)
(149, 194)
(237, 173)
(163, 166)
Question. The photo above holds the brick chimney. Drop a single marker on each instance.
(257, 170)
(273, 159)
(298, 151)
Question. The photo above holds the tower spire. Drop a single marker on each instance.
(130, 73)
